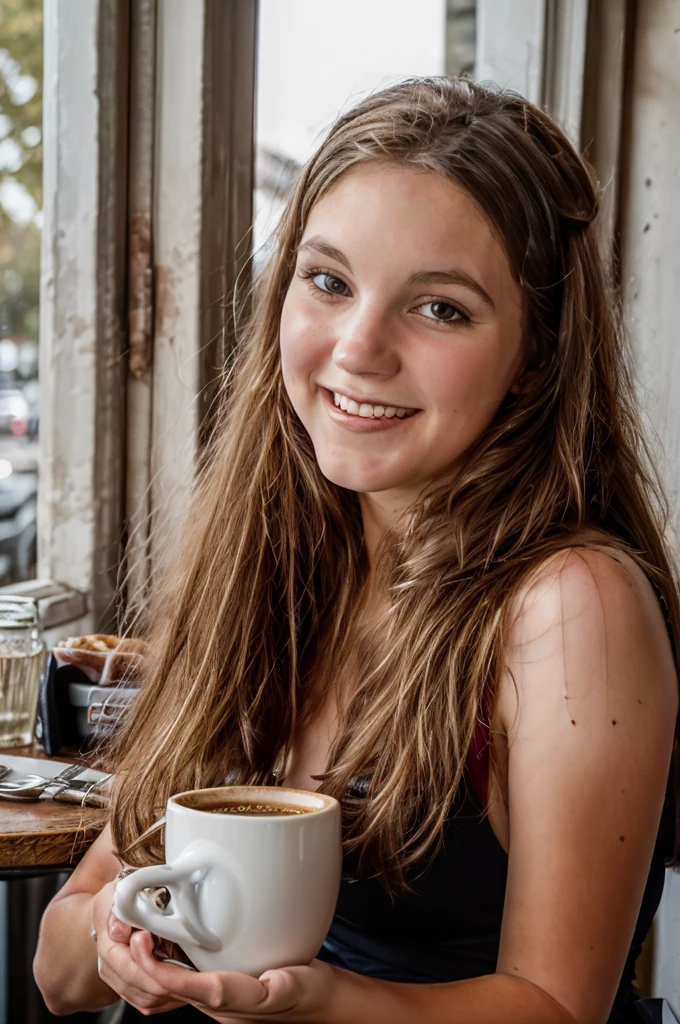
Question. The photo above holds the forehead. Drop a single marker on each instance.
(411, 216)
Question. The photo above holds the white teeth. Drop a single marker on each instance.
(367, 410)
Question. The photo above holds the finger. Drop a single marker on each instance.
(298, 989)
(117, 965)
(137, 997)
(118, 930)
(101, 907)
(283, 989)
(217, 990)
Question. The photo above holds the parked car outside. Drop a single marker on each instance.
(14, 413)
(18, 523)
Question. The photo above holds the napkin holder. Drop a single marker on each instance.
(56, 726)
(74, 713)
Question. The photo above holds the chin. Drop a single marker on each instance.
(353, 478)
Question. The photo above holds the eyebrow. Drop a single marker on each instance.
(454, 276)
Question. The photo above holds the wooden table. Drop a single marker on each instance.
(39, 844)
(44, 835)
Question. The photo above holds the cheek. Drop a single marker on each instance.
(292, 351)
(458, 379)
(299, 339)
(303, 354)
(470, 381)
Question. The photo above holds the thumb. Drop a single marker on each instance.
(118, 931)
(282, 987)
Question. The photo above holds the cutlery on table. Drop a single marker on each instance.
(86, 792)
(30, 787)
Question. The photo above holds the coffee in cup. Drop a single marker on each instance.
(262, 810)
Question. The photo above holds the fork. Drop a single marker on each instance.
(30, 787)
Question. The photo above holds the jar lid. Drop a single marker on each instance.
(18, 612)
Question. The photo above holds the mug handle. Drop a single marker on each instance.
(180, 922)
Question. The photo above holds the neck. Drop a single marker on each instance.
(379, 513)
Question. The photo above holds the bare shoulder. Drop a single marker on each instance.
(587, 630)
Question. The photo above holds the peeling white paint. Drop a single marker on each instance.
(68, 297)
(177, 227)
(84, 130)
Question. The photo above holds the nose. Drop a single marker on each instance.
(365, 344)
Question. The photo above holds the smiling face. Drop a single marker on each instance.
(401, 331)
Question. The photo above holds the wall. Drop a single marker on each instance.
(651, 224)
(650, 239)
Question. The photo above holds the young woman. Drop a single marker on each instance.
(424, 571)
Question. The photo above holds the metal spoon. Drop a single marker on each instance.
(30, 787)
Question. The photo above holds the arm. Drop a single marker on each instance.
(589, 704)
(65, 964)
(75, 971)
(590, 730)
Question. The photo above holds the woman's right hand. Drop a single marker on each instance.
(114, 960)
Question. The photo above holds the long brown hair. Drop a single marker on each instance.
(259, 603)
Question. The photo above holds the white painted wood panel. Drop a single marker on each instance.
(139, 395)
(564, 63)
(603, 91)
(510, 45)
(651, 224)
(203, 183)
(538, 48)
(177, 244)
(650, 238)
(66, 511)
(82, 298)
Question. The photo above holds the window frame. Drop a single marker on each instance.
(148, 181)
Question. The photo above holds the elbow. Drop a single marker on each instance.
(51, 996)
(50, 989)
(541, 1001)
(59, 996)
(61, 1003)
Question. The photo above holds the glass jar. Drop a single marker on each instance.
(22, 654)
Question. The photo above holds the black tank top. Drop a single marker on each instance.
(448, 927)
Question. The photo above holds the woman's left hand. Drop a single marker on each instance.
(289, 994)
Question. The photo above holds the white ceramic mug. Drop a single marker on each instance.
(247, 892)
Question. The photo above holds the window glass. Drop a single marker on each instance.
(21, 55)
(315, 59)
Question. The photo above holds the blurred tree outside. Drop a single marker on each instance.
(21, 59)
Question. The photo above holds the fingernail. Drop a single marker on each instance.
(119, 931)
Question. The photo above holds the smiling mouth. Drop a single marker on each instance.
(367, 410)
